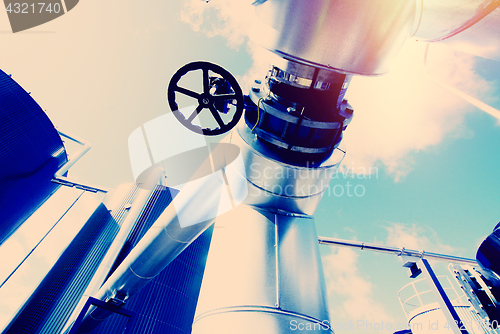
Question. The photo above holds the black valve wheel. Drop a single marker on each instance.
(218, 90)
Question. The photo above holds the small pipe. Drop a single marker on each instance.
(58, 176)
(395, 250)
(75, 157)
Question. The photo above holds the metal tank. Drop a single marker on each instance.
(362, 36)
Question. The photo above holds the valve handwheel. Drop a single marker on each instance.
(210, 98)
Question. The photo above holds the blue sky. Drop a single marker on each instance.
(447, 203)
(102, 70)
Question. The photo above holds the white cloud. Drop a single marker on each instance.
(416, 238)
(348, 229)
(262, 61)
(11, 253)
(350, 293)
(404, 111)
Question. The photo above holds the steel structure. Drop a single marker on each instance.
(263, 182)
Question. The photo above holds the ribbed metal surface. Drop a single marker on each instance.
(167, 304)
(149, 216)
(31, 152)
(53, 301)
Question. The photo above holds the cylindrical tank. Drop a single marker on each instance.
(31, 153)
(488, 252)
(362, 36)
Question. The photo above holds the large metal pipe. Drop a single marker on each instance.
(363, 36)
(399, 251)
(275, 185)
(191, 212)
(354, 36)
(264, 271)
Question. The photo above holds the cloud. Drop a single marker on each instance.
(416, 238)
(404, 111)
(262, 62)
(231, 20)
(352, 292)
(457, 69)
(226, 18)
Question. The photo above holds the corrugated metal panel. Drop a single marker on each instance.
(167, 304)
(55, 298)
(31, 151)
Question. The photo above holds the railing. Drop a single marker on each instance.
(65, 181)
(422, 295)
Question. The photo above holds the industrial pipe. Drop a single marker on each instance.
(395, 250)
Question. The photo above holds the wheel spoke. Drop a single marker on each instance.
(194, 114)
(224, 97)
(206, 81)
(187, 92)
(217, 117)
(230, 102)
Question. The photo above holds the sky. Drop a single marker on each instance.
(421, 169)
